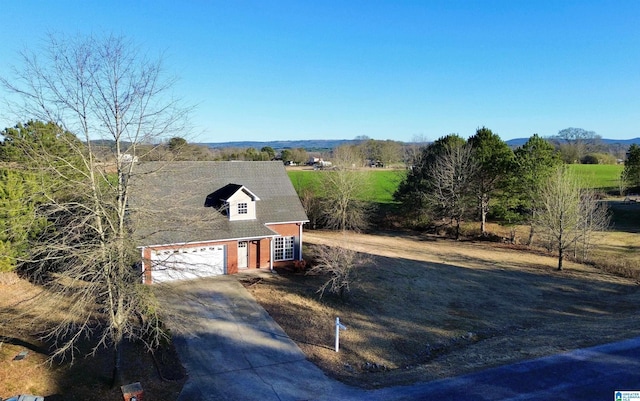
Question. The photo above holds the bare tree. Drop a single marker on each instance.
(348, 157)
(384, 152)
(343, 187)
(623, 182)
(413, 149)
(452, 176)
(568, 215)
(595, 219)
(312, 206)
(559, 214)
(390, 152)
(575, 142)
(339, 265)
(96, 88)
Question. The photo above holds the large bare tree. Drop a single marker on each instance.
(595, 218)
(344, 186)
(569, 215)
(98, 88)
(452, 175)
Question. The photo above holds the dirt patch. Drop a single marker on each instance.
(161, 375)
(430, 308)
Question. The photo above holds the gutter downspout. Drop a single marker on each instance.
(271, 254)
(300, 235)
(142, 266)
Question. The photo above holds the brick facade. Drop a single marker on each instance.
(259, 250)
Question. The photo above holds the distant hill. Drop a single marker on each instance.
(309, 145)
(326, 144)
(626, 142)
(514, 143)
(517, 142)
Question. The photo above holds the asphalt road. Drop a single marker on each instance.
(233, 350)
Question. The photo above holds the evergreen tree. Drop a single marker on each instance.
(18, 221)
(631, 173)
(535, 161)
(495, 160)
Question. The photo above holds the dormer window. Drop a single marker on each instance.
(236, 201)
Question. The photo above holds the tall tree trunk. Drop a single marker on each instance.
(116, 376)
(531, 233)
(560, 257)
(484, 210)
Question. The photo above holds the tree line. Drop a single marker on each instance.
(453, 179)
(573, 145)
(578, 145)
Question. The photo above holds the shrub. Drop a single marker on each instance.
(339, 265)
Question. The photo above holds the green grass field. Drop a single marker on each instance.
(383, 182)
(303, 179)
(598, 176)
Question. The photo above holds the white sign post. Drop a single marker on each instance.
(339, 327)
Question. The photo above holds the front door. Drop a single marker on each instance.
(243, 254)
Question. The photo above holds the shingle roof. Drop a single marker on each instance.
(167, 200)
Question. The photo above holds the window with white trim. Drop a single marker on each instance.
(283, 248)
(242, 208)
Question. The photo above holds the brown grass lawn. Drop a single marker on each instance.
(431, 308)
(87, 378)
(427, 308)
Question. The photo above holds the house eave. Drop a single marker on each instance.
(288, 222)
(208, 241)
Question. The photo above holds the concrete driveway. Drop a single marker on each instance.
(233, 350)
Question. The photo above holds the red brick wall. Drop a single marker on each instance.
(264, 249)
(232, 255)
(146, 265)
(286, 229)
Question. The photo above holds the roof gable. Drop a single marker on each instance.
(219, 197)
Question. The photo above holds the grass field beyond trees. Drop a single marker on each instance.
(598, 176)
(384, 182)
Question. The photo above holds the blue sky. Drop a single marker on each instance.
(289, 70)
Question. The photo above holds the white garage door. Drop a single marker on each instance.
(187, 263)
